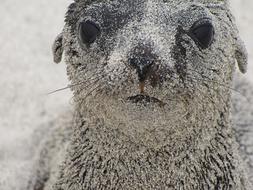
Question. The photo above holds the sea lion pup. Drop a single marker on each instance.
(152, 91)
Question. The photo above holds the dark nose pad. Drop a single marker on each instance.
(142, 58)
(143, 66)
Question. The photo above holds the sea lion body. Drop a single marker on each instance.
(152, 96)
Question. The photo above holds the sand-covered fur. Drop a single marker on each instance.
(152, 96)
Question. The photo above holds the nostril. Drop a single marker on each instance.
(133, 62)
(142, 65)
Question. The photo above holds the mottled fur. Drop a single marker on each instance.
(188, 142)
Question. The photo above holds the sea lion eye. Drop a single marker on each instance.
(88, 32)
(203, 33)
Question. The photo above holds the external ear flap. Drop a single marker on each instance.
(240, 53)
(58, 48)
(241, 56)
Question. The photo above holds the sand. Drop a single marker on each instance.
(27, 74)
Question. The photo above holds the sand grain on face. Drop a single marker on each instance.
(28, 28)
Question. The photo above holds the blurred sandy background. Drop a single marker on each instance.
(27, 74)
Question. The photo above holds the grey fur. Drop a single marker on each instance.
(188, 143)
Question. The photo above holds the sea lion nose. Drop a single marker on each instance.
(142, 60)
(142, 65)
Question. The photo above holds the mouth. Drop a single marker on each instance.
(145, 100)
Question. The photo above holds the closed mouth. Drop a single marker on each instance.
(145, 100)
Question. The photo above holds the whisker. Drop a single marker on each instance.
(216, 82)
(89, 93)
(59, 90)
(72, 85)
(200, 81)
(230, 88)
(90, 84)
(198, 89)
(170, 91)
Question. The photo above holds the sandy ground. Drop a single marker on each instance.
(27, 74)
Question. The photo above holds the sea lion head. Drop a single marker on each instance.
(147, 55)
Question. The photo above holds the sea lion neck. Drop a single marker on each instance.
(97, 147)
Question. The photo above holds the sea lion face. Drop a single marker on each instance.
(148, 52)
